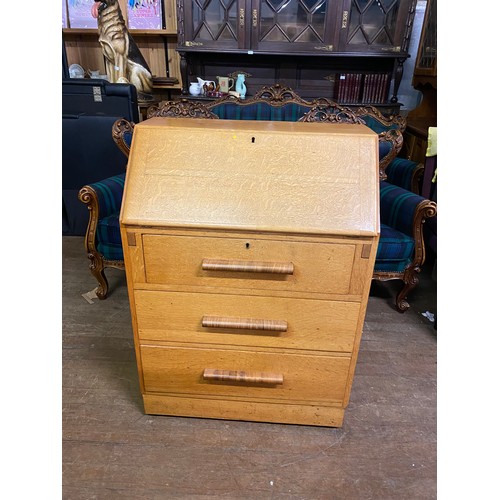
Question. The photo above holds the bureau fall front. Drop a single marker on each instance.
(249, 248)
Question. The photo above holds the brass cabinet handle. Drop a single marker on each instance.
(254, 18)
(242, 376)
(242, 17)
(247, 266)
(269, 325)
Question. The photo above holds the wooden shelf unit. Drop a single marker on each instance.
(157, 46)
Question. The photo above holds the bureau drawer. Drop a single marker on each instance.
(248, 263)
(241, 320)
(291, 377)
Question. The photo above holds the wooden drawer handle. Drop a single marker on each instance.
(240, 376)
(269, 325)
(247, 266)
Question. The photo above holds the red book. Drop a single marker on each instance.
(342, 87)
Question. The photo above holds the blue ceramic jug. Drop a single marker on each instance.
(240, 86)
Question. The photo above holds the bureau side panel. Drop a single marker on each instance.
(365, 273)
(134, 270)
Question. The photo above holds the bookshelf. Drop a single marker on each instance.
(158, 46)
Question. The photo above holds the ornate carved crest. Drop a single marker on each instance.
(332, 113)
(398, 120)
(118, 131)
(279, 94)
(181, 109)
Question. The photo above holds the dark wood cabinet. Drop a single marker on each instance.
(425, 71)
(311, 44)
(376, 27)
(299, 26)
(259, 25)
(424, 80)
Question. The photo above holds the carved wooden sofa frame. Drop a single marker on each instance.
(322, 110)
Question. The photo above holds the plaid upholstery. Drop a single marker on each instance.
(110, 252)
(376, 125)
(400, 172)
(397, 207)
(394, 251)
(108, 230)
(396, 245)
(108, 239)
(127, 138)
(260, 111)
(384, 148)
(109, 192)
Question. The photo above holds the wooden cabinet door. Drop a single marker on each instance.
(295, 26)
(371, 26)
(214, 24)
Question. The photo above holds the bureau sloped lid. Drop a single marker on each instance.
(317, 178)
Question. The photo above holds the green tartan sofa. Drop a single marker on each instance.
(401, 250)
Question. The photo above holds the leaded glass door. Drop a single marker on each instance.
(214, 24)
(375, 25)
(294, 25)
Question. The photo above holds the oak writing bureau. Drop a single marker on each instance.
(249, 249)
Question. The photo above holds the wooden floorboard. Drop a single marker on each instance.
(386, 448)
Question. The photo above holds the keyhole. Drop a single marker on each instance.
(247, 245)
(253, 139)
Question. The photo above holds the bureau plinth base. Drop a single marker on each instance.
(179, 406)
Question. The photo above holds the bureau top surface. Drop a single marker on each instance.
(253, 175)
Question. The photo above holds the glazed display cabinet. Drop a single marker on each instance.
(336, 30)
(296, 25)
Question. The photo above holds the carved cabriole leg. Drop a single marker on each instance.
(88, 196)
(410, 282)
(96, 267)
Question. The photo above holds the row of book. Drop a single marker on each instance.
(142, 14)
(353, 88)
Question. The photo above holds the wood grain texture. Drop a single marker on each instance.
(174, 316)
(307, 378)
(266, 325)
(245, 266)
(239, 174)
(242, 376)
(176, 260)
